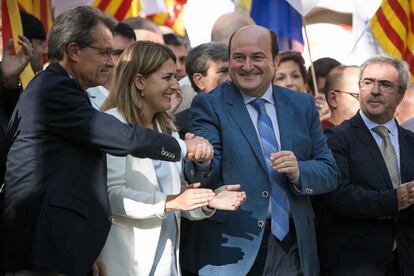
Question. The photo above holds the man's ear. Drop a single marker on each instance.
(139, 82)
(332, 99)
(199, 81)
(72, 51)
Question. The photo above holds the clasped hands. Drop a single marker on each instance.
(198, 148)
(405, 195)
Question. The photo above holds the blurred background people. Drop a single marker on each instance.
(145, 29)
(322, 68)
(342, 94)
(405, 110)
(180, 49)
(146, 195)
(291, 71)
(227, 24)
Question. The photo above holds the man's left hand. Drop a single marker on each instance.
(99, 268)
(285, 162)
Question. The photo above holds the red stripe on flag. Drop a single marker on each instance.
(409, 58)
(103, 4)
(399, 12)
(43, 13)
(122, 10)
(7, 29)
(389, 31)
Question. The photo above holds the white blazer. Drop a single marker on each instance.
(137, 210)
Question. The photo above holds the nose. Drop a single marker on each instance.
(248, 64)
(174, 84)
(110, 61)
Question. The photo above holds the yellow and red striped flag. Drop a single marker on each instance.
(393, 27)
(12, 27)
(41, 9)
(173, 17)
(119, 9)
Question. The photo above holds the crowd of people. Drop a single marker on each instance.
(131, 153)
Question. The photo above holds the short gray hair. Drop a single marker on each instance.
(76, 25)
(400, 65)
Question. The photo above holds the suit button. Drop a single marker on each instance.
(265, 194)
(111, 219)
(260, 223)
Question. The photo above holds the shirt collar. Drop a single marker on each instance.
(391, 124)
(267, 96)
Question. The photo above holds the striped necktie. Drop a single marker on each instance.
(389, 155)
(279, 200)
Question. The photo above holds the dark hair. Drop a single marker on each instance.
(32, 27)
(174, 40)
(125, 30)
(322, 68)
(76, 25)
(199, 56)
(273, 46)
(297, 58)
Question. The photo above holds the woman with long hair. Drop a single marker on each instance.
(147, 196)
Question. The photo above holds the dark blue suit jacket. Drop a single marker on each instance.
(228, 242)
(56, 210)
(362, 214)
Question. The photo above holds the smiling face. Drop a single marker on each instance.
(251, 66)
(94, 62)
(377, 104)
(159, 87)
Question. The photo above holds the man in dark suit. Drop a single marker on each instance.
(273, 232)
(369, 227)
(56, 213)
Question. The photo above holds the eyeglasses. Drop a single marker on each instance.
(353, 94)
(104, 52)
(117, 52)
(384, 85)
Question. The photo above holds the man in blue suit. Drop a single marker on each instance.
(246, 120)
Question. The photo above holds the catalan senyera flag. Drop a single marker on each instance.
(173, 17)
(42, 9)
(12, 27)
(393, 27)
(120, 9)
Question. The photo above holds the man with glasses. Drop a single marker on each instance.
(55, 215)
(124, 35)
(342, 94)
(369, 229)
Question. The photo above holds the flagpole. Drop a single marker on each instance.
(312, 68)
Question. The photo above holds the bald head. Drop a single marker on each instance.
(227, 24)
(252, 62)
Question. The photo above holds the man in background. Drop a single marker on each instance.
(180, 49)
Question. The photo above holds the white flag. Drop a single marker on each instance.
(150, 7)
(303, 6)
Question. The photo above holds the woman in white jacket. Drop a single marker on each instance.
(147, 197)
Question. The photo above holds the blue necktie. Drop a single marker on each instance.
(279, 200)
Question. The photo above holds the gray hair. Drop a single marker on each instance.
(400, 65)
(76, 25)
(198, 57)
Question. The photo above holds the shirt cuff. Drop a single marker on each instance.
(296, 184)
(183, 148)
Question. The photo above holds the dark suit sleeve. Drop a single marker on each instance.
(356, 200)
(70, 115)
(205, 124)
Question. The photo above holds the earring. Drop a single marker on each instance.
(142, 93)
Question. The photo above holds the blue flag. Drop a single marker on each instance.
(280, 17)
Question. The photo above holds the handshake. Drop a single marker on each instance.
(198, 148)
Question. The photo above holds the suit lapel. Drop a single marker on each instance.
(364, 135)
(238, 111)
(285, 118)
